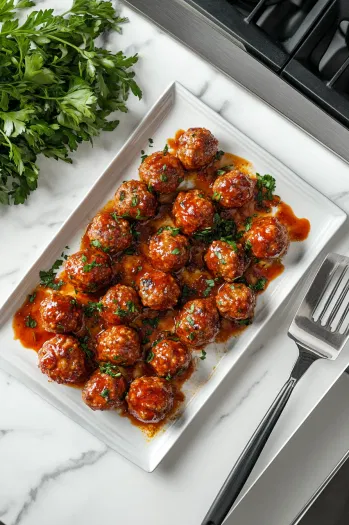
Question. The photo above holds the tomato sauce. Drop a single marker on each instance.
(193, 278)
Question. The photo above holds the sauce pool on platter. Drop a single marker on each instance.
(175, 261)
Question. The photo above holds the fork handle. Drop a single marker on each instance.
(248, 458)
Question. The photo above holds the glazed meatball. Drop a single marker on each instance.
(119, 345)
(267, 238)
(169, 357)
(149, 399)
(61, 314)
(192, 212)
(89, 271)
(197, 147)
(162, 172)
(233, 190)
(236, 301)
(109, 233)
(104, 391)
(121, 305)
(134, 200)
(63, 360)
(226, 261)
(129, 268)
(198, 322)
(168, 252)
(158, 290)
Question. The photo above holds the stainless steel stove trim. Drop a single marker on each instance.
(319, 491)
(222, 50)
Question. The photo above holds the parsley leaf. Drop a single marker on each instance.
(58, 88)
(30, 322)
(266, 186)
(48, 277)
(91, 308)
(260, 284)
(111, 370)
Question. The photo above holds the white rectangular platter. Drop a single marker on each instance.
(177, 108)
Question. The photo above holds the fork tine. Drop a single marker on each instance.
(342, 319)
(338, 305)
(333, 292)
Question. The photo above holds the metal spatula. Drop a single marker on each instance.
(320, 329)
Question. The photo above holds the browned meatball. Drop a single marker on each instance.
(267, 238)
(169, 251)
(236, 301)
(62, 359)
(61, 314)
(233, 190)
(134, 200)
(192, 212)
(197, 147)
(120, 305)
(225, 260)
(149, 399)
(198, 322)
(162, 172)
(89, 271)
(109, 233)
(158, 290)
(129, 269)
(119, 345)
(169, 357)
(104, 391)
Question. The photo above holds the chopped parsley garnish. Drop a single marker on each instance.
(219, 154)
(97, 244)
(150, 357)
(151, 143)
(91, 308)
(203, 355)
(151, 321)
(30, 322)
(105, 393)
(244, 322)
(266, 186)
(222, 229)
(122, 195)
(163, 177)
(176, 251)
(84, 343)
(73, 301)
(143, 156)
(260, 284)
(31, 298)
(210, 285)
(111, 370)
(190, 320)
(191, 336)
(248, 246)
(89, 266)
(248, 223)
(165, 150)
(168, 377)
(48, 277)
(232, 244)
(216, 196)
(224, 170)
(174, 231)
(220, 257)
(192, 308)
(134, 201)
(115, 217)
(164, 167)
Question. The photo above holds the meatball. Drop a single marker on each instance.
(236, 301)
(120, 305)
(63, 360)
(158, 290)
(149, 399)
(109, 233)
(162, 172)
(197, 147)
(89, 271)
(226, 261)
(119, 345)
(104, 391)
(134, 200)
(233, 189)
(193, 212)
(267, 238)
(168, 251)
(61, 314)
(198, 322)
(169, 357)
(129, 269)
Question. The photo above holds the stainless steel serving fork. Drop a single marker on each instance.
(320, 329)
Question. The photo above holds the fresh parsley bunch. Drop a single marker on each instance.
(57, 88)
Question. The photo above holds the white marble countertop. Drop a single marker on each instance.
(51, 470)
